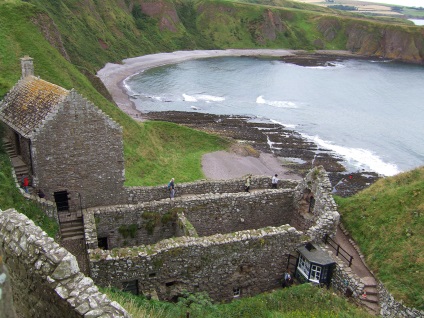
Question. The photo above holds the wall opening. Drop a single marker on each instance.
(130, 286)
(103, 243)
(62, 200)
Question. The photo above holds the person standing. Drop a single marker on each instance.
(247, 184)
(274, 181)
(171, 188)
(25, 184)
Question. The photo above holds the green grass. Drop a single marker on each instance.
(295, 302)
(166, 151)
(387, 221)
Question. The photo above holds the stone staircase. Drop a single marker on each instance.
(18, 165)
(370, 297)
(369, 300)
(72, 229)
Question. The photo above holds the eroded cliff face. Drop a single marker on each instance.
(123, 28)
(405, 44)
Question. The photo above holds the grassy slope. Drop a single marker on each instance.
(387, 221)
(295, 302)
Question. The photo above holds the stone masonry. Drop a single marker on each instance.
(45, 278)
(228, 244)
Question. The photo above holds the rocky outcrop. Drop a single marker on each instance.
(164, 11)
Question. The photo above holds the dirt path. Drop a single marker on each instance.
(221, 165)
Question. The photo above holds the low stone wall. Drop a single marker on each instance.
(148, 223)
(45, 278)
(136, 195)
(392, 308)
(225, 266)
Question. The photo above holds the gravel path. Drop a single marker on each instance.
(221, 165)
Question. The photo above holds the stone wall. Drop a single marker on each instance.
(250, 262)
(392, 308)
(148, 223)
(134, 195)
(321, 217)
(45, 278)
(61, 161)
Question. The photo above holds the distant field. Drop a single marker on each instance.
(370, 7)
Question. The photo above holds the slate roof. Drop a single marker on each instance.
(316, 255)
(28, 103)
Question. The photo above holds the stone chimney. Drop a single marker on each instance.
(27, 66)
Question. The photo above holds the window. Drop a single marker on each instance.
(315, 273)
(236, 292)
(304, 266)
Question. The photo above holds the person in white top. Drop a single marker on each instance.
(274, 181)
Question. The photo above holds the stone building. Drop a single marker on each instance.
(72, 150)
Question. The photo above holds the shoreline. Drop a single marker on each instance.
(295, 158)
(114, 75)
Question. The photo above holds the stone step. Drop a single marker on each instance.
(74, 228)
(370, 299)
(73, 237)
(371, 290)
(68, 234)
(372, 308)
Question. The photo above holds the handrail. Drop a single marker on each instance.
(328, 240)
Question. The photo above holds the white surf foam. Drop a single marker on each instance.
(290, 126)
(202, 97)
(275, 103)
(358, 157)
(188, 98)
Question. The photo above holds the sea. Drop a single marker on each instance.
(370, 113)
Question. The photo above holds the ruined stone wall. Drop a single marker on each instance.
(62, 162)
(134, 195)
(323, 217)
(251, 261)
(392, 308)
(45, 278)
(148, 223)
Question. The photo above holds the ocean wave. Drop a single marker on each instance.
(290, 126)
(358, 157)
(275, 103)
(328, 65)
(202, 97)
(128, 89)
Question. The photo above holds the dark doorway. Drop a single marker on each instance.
(17, 144)
(102, 243)
(62, 201)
